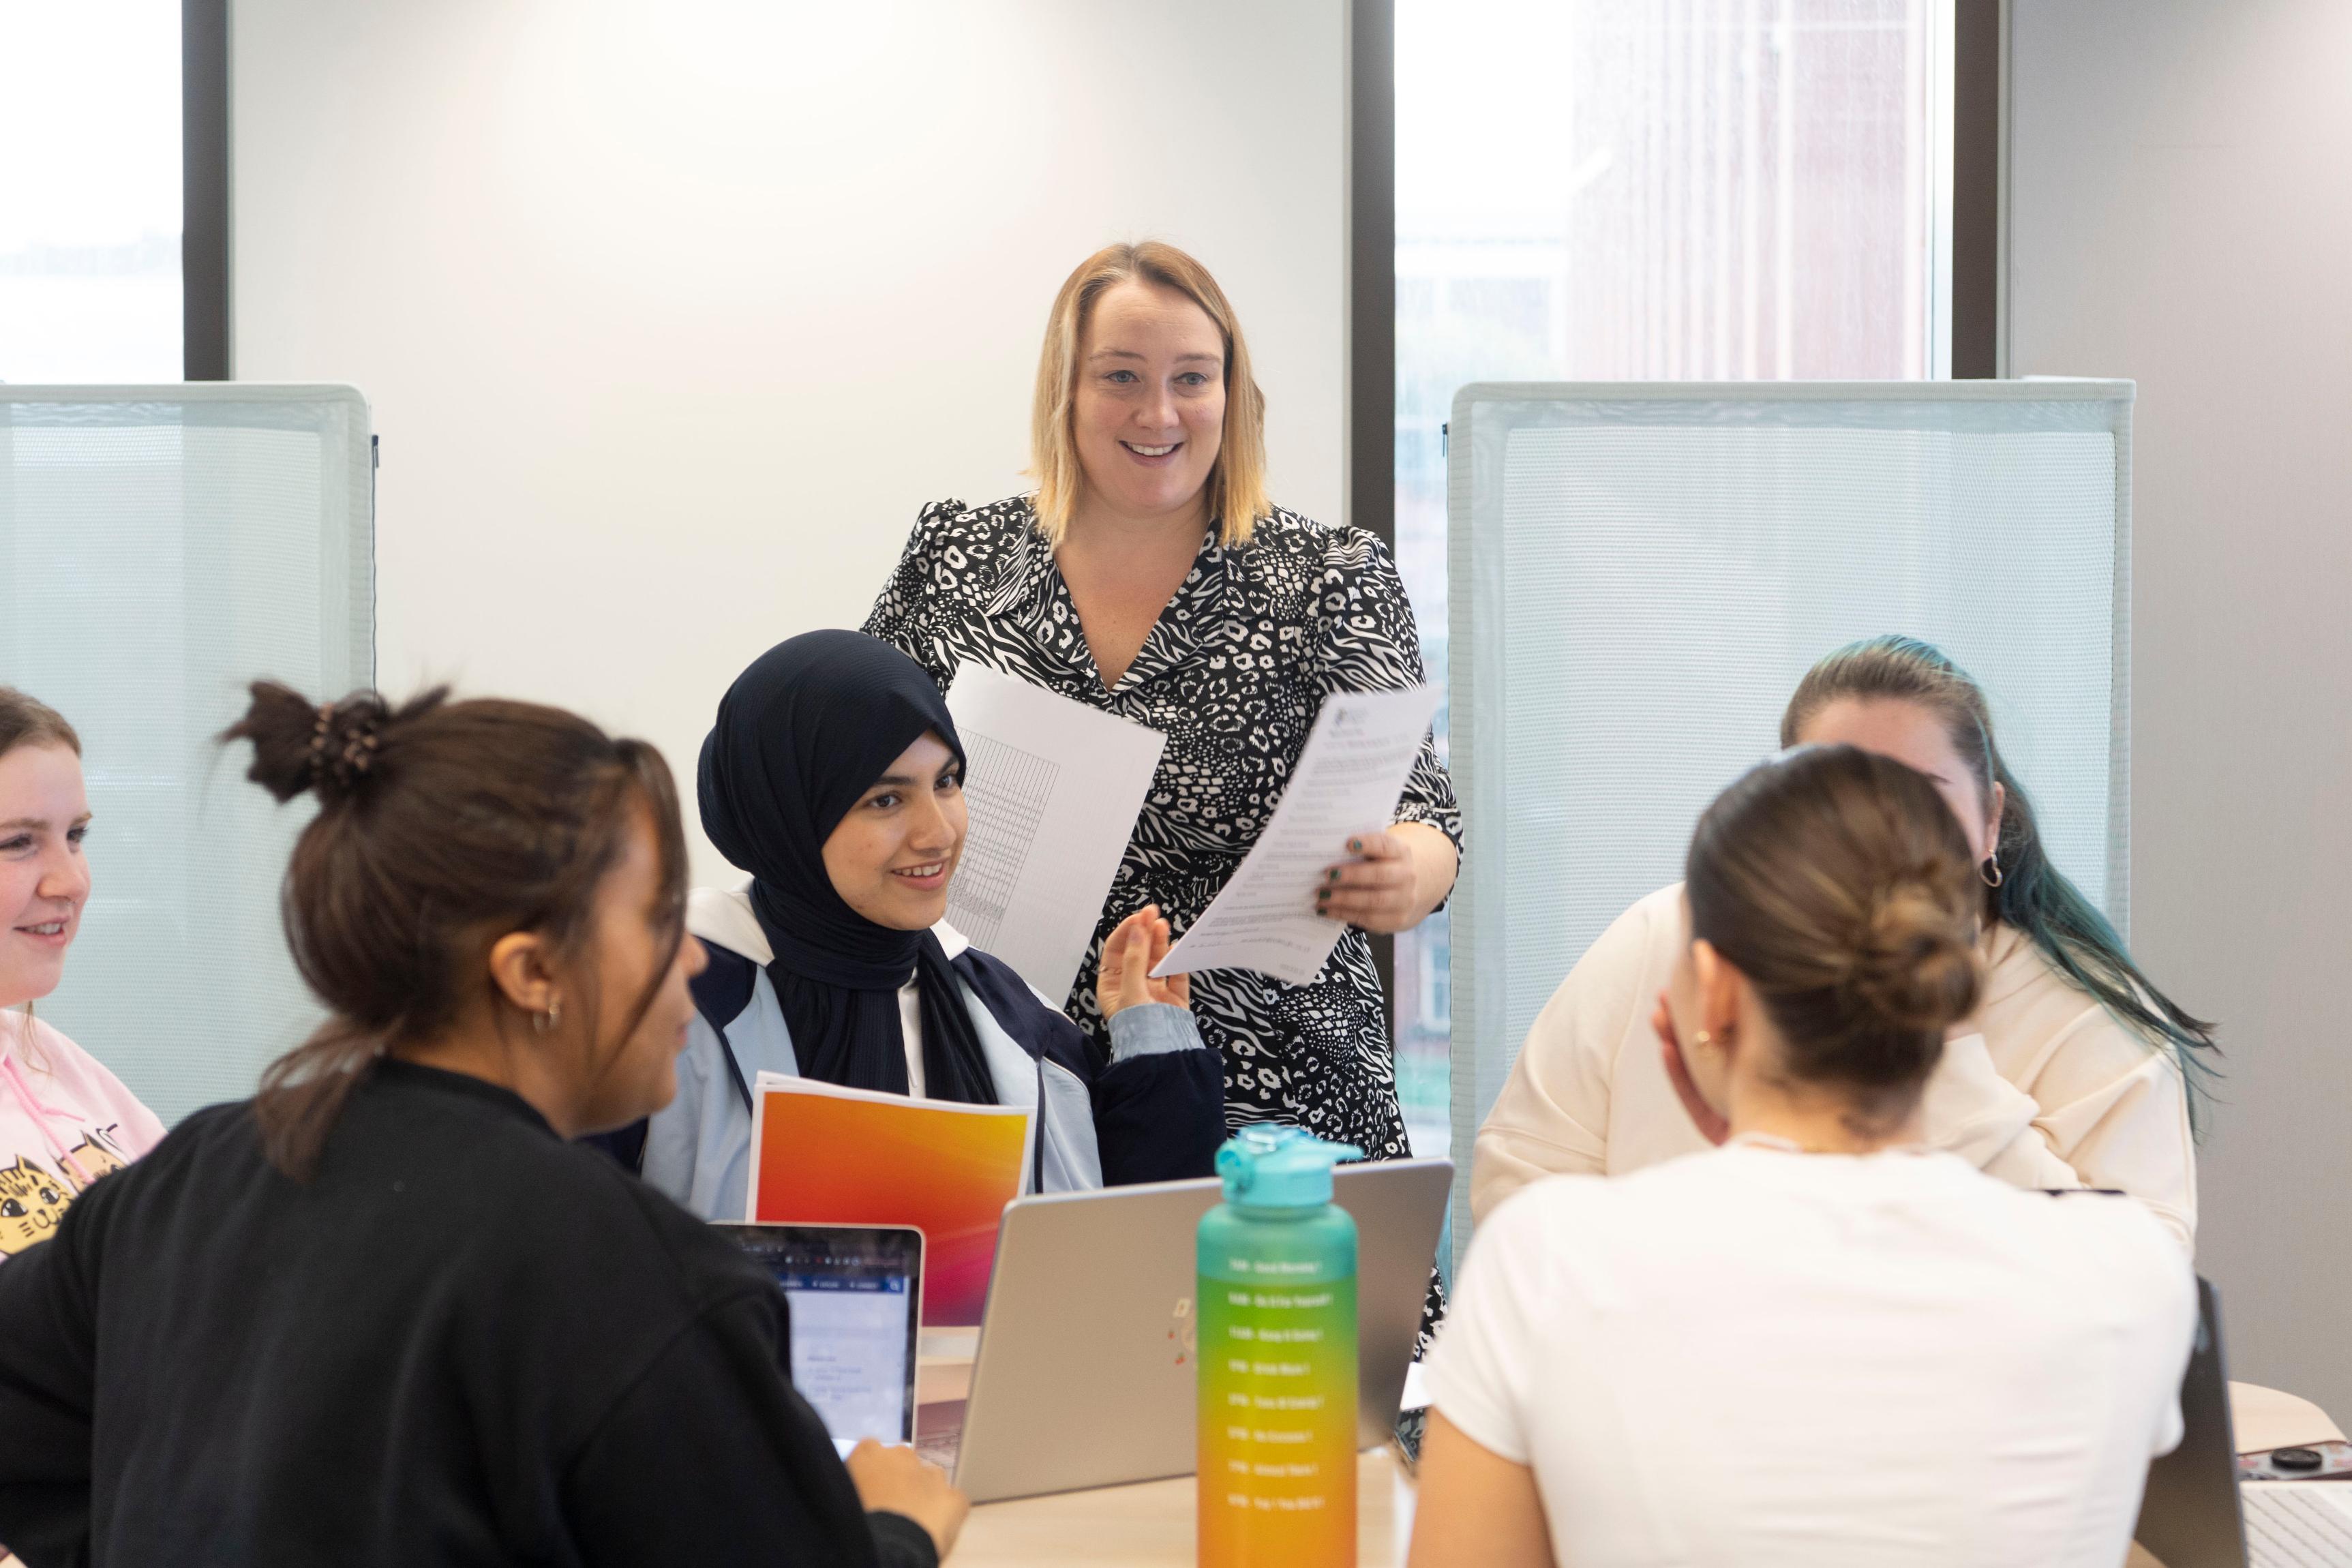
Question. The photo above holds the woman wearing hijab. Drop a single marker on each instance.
(834, 776)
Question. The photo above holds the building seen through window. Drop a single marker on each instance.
(1643, 190)
(90, 209)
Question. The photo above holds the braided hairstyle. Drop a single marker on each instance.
(1840, 884)
(442, 825)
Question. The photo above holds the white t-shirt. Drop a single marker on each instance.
(1758, 1357)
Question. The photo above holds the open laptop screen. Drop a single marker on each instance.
(855, 1294)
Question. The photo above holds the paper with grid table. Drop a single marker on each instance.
(1054, 788)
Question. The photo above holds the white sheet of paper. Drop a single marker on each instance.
(1054, 787)
(1348, 779)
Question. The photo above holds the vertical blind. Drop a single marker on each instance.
(160, 547)
(1640, 574)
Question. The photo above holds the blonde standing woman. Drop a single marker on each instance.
(1148, 575)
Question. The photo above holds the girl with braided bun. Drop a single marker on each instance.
(65, 1121)
(2072, 1070)
(388, 1311)
(1819, 1343)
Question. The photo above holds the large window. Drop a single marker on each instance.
(1596, 190)
(89, 220)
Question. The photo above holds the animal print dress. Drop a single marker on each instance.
(1233, 674)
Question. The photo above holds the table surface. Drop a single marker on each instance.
(1150, 1525)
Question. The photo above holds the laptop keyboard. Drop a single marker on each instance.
(938, 1432)
(2296, 1527)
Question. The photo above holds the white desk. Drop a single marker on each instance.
(1150, 1525)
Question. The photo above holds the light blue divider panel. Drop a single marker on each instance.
(1641, 573)
(160, 546)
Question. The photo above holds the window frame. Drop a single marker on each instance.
(205, 342)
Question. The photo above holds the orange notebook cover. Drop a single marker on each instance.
(822, 1154)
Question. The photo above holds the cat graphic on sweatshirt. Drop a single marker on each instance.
(96, 1155)
(32, 1201)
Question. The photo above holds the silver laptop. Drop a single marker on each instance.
(1085, 1376)
(2195, 1514)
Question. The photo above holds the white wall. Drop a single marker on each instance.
(672, 312)
(2180, 214)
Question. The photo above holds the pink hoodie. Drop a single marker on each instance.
(65, 1122)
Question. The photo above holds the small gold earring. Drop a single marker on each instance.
(1702, 1039)
(545, 1023)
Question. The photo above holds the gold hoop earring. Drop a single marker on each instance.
(545, 1023)
(1991, 871)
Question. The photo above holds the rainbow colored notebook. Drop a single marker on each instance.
(825, 1156)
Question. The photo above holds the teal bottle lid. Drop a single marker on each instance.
(1270, 1167)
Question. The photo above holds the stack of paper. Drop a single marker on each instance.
(826, 1155)
(1349, 777)
(1054, 787)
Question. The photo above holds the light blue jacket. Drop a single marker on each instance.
(698, 1149)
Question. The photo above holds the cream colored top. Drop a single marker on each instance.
(2050, 1091)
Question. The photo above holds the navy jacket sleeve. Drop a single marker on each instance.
(1157, 1118)
(1160, 1118)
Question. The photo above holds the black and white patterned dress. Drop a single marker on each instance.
(1233, 674)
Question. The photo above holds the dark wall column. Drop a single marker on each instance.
(1976, 189)
(203, 161)
(1371, 304)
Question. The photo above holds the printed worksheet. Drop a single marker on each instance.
(1054, 788)
(822, 1154)
(1349, 780)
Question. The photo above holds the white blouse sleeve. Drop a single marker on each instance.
(1552, 1116)
(2105, 1107)
(1969, 1109)
(2114, 1110)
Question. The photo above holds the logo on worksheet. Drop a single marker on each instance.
(1182, 1332)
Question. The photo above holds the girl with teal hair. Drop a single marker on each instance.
(2074, 1070)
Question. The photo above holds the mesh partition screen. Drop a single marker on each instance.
(1639, 575)
(159, 548)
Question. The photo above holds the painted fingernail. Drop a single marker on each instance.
(1355, 846)
(1323, 896)
(1333, 873)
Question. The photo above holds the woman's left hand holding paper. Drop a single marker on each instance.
(1129, 954)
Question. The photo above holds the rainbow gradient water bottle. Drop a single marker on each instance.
(1278, 1358)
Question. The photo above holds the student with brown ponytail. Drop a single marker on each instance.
(387, 1312)
(2074, 1069)
(1820, 1344)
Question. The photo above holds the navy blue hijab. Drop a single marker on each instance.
(801, 736)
